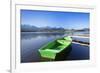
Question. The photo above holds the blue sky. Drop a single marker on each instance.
(68, 20)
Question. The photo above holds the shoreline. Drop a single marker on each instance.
(74, 35)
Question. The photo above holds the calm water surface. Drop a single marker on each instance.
(31, 42)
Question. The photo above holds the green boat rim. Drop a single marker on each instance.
(56, 46)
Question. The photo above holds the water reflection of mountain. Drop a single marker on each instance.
(29, 35)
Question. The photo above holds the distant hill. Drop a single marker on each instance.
(31, 28)
(28, 28)
(84, 29)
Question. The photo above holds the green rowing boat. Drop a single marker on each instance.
(53, 48)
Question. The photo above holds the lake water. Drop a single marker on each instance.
(81, 39)
(31, 42)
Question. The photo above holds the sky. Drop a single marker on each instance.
(68, 20)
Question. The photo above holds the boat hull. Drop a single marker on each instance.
(59, 47)
(63, 54)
